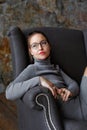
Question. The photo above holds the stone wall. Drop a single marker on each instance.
(28, 14)
(36, 13)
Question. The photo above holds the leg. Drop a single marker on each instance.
(71, 109)
(83, 94)
(77, 108)
(83, 87)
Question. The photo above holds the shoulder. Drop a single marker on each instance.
(57, 67)
(30, 68)
(28, 72)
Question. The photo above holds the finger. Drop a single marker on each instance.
(63, 94)
(58, 91)
(55, 92)
(66, 96)
(52, 90)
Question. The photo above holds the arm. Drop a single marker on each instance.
(48, 84)
(21, 84)
(72, 85)
(70, 90)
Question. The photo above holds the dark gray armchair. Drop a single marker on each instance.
(37, 109)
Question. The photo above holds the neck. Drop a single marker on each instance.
(42, 62)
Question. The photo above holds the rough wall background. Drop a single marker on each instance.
(33, 13)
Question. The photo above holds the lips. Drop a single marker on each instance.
(41, 52)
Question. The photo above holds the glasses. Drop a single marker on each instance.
(35, 46)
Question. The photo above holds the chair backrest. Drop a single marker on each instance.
(68, 49)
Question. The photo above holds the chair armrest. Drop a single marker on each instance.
(41, 99)
(35, 95)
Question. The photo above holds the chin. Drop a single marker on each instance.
(43, 57)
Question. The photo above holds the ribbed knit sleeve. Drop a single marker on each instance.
(71, 84)
(22, 84)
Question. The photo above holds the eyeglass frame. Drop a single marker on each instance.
(37, 44)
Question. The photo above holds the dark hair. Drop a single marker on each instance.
(30, 35)
(36, 32)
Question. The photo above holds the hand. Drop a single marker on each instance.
(64, 93)
(85, 72)
(46, 83)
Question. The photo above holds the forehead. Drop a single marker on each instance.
(37, 37)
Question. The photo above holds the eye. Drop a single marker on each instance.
(43, 42)
(33, 45)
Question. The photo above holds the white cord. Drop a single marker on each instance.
(45, 110)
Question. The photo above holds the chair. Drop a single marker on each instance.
(37, 110)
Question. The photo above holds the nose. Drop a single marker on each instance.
(40, 46)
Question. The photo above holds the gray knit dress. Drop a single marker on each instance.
(29, 78)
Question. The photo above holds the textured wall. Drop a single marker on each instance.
(26, 14)
(33, 13)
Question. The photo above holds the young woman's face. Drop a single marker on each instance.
(39, 47)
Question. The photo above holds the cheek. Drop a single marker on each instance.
(33, 52)
(48, 50)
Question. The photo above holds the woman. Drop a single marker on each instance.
(43, 73)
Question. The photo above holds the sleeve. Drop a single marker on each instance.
(22, 84)
(71, 84)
